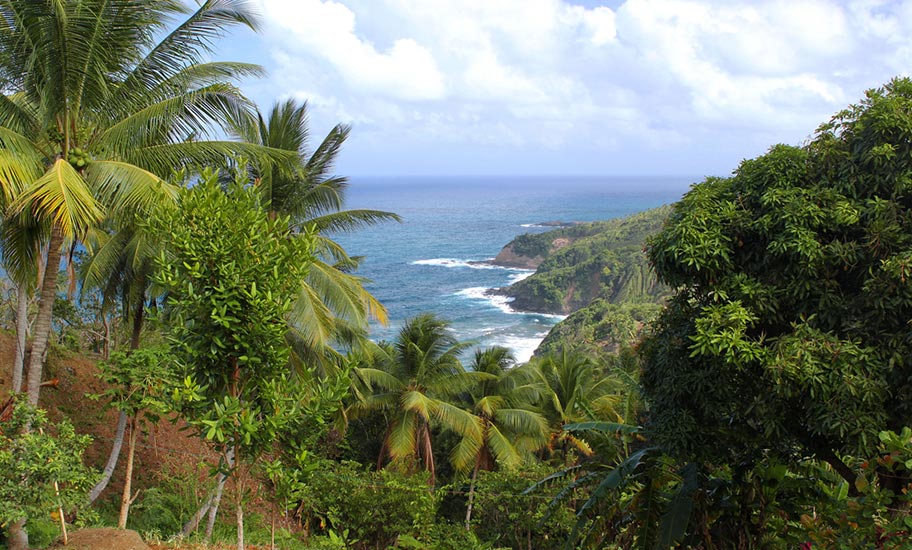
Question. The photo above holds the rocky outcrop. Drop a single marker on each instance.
(509, 258)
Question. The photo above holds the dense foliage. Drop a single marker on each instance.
(599, 260)
(790, 277)
(767, 407)
(41, 468)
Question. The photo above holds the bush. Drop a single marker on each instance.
(32, 461)
(504, 517)
(373, 508)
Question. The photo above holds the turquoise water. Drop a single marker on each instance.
(424, 263)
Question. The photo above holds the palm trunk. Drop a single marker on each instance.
(21, 335)
(193, 522)
(45, 316)
(128, 477)
(425, 447)
(137, 323)
(468, 520)
(112, 459)
(122, 418)
(106, 350)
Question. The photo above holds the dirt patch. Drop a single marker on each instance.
(559, 243)
(104, 539)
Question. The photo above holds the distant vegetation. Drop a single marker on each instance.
(598, 273)
(588, 261)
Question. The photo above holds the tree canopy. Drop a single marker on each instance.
(788, 331)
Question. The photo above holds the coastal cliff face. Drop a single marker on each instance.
(597, 273)
(513, 255)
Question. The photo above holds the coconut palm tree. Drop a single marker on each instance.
(333, 307)
(572, 389)
(95, 110)
(511, 430)
(417, 387)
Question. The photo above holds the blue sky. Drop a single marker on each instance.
(450, 87)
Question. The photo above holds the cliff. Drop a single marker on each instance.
(576, 265)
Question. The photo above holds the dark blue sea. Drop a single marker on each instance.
(426, 263)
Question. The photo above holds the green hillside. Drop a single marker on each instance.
(597, 273)
(595, 260)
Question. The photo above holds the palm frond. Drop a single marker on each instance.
(184, 46)
(502, 447)
(464, 453)
(62, 197)
(126, 188)
(401, 442)
(418, 403)
(350, 220)
(457, 420)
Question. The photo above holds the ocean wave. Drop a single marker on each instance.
(522, 346)
(471, 264)
(520, 276)
(483, 293)
(502, 302)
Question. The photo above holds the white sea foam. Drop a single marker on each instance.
(482, 293)
(502, 302)
(524, 274)
(522, 346)
(473, 264)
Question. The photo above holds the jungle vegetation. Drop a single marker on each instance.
(743, 383)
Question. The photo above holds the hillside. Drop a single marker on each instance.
(596, 273)
(576, 265)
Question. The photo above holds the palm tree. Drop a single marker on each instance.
(511, 430)
(571, 389)
(20, 237)
(333, 307)
(417, 387)
(94, 111)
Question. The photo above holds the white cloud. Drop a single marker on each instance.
(680, 77)
(406, 70)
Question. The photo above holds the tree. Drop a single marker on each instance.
(417, 387)
(231, 272)
(510, 430)
(94, 109)
(136, 385)
(333, 307)
(787, 332)
(32, 462)
(571, 389)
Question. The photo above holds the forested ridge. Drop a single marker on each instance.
(588, 261)
(741, 380)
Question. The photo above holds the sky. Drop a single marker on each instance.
(583, 87)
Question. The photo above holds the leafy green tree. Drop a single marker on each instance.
(32, 461)
(136, 385)
(787, 334)
(95, 107)
(418, 387)
(231, 272)
(333, 307)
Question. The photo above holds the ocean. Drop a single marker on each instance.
(428, 262)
